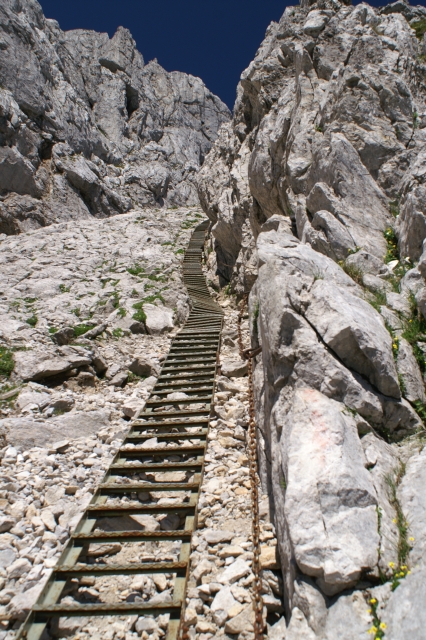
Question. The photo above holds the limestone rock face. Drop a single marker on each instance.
(328, 130)
(316, 196)
(87, 129)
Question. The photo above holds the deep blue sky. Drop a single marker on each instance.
(212, 39)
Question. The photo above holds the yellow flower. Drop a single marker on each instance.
(411, 539)
(373, 630)
(373, 601)
(394, 520)
(383, 625)
(392, 564)
(408, 573)
(404, 568)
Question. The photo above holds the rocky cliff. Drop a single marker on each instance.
(318, 207)
(87, 129)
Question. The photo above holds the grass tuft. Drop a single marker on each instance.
(81, 329)
(7, 363)
(419, 27)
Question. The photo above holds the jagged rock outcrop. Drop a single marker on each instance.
(87, 129)
(316, 197)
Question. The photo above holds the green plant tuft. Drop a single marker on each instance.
(7, 363)
(32, 321)
(419, 27)
(81, 329)
(136, 270)
(353, 272)
(117, 333)
(392, 252)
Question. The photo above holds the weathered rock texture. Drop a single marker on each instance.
(86, 129)
(316, 197)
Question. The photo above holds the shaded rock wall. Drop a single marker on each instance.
(86, 128)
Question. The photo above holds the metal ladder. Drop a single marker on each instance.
(190, 367)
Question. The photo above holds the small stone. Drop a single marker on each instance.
(234, 572)
(191, 617)
(71, 490)
(6, 523)
(90, 462)
(269, 558)
(18, 568)
(48, 519)
(235, 610)
(234, 369)
(205, 627)
(59, 447)
(202, 569)
(223, 600)
(7, 557)
(272, 604)
(243, 622)
(160, 581)
(216, 537)
(146, 624)
(230, 551)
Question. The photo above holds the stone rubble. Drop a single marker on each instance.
(72, 398)
(219, 599)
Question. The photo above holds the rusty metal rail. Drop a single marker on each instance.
(133, 483)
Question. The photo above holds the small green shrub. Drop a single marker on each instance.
(156, 278)
(153, 298)
(377, 299)
(351, 252)
(76, 311)
(64, 289)
(420, 409)
(53, 330)
(122, 312)
(32, 321)
(392, 252)
(81, 329)
(393, 481)
(140, 314)
(419, 27)
(7, 363)
(136, 270)
(353, 272)
(117, 333)
(179, 252)
(30, 300)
